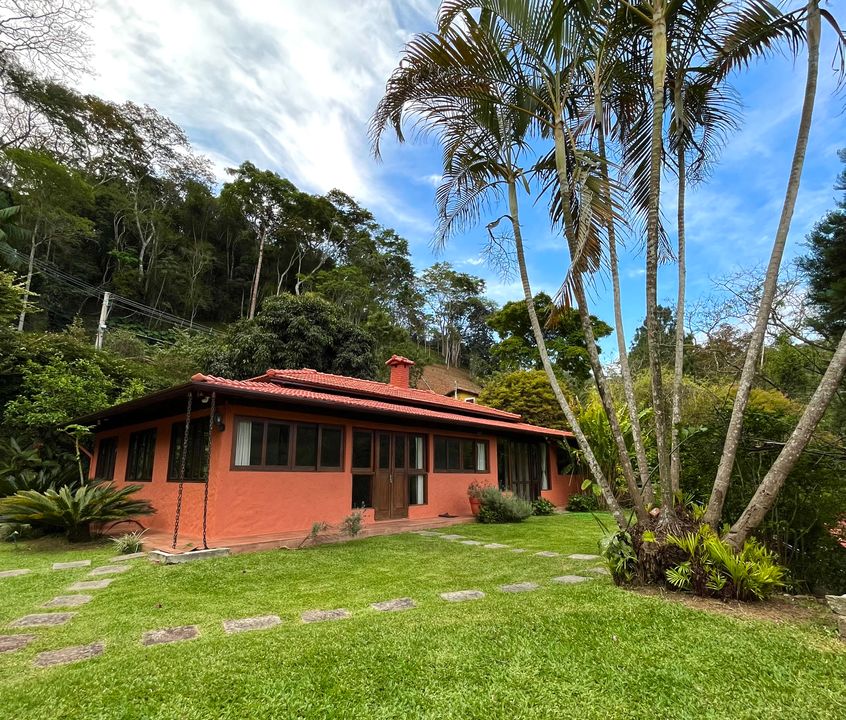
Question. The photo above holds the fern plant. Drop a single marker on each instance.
(74, 510)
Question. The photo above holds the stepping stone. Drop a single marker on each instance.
(254, 623)
(110, 570)
(68, 655)
(311, 616)
(14, 573)
(169, 635)
(583, 556)
(462, 595)
(92, 584)
(570, 579)
(519, 587)
(452, 536)
(518, 550)
(547, 553)
(130, 556)
(495, 546)
(394, 605)
(10, 643)
(599, 570)
(71, 565)
(472, 542)
(427, 533)
(68, 601)
(43, 620)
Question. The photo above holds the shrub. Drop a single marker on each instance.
(499, 507)
(542, 506)
(352, 524)
(131, 542)
(476, 488)
(584, 502)
(318, 527)
(713, 568)
(618, 552)
(74, 510)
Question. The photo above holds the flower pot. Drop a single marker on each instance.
(475, 503)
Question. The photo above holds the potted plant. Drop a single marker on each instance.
(474, 494)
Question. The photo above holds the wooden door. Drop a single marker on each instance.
(390, 481)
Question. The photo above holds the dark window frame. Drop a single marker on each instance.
(460, 441)
(112, 444)
(293, 427)
(151, 434)
(197, 431)
(364, 469)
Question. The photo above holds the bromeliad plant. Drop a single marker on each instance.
(74, 510)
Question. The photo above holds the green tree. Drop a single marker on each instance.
(527, 393)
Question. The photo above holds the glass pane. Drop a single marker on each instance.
(468, 459)
(243, 433)
(416, 489)
(416, 456)
(384, 452)
(399, 450)
(256, 442)
(362, 452)
(543, 456)
(277, 444)
(453, 454)
(330, 447)
(481, 456)
(440, 454)
(306, 454)
(361, 496)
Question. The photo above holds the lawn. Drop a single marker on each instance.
(563, 651)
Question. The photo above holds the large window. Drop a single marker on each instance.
(196, 460)
(106, 455)
(461, 455)
(271, 445)
(387, 457)
(417, 478)
(139, 461)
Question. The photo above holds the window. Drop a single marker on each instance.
(106, 454)
(362, 491)
(196, 461)
(417, 489)
(139, 462)
(271, 445)
(543, 456)
(362, 451)
(461, 455)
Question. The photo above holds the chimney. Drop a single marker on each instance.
(400, 371)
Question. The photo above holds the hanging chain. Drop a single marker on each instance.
(182, 470)
(208, 470)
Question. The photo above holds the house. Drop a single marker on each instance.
(451, 381)
(277, 453)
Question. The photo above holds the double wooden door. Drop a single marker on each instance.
(390, 480)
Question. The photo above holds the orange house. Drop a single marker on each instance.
(279, 452)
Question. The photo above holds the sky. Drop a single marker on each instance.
(291, 85)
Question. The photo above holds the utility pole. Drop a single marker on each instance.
(101, 325)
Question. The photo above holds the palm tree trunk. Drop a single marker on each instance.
(584, 445)
(30, 271)
(678, 359)
(625, 369)
(256, 277)
(744, 388)
(659, 72)
(767, 493)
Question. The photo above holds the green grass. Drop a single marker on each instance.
(575, 651)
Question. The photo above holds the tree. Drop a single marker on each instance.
(527, 393)
(562, 333)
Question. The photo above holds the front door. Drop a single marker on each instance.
(390, 481)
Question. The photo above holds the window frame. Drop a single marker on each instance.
(293, 427)
(177, 433)
(132, 447)
(112, 443)
(460, 440)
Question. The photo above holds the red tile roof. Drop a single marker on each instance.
(313, 397)
(348, 385)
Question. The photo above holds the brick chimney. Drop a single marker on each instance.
(400, 371)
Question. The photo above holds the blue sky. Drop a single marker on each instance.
(291, 86)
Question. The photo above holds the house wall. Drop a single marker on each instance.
(247, 503)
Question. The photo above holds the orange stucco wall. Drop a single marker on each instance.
(247, 503)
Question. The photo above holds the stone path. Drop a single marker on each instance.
(110, 570)
(583, 556)
(14, 573)
(462, 595)
(495, 546)
(405, 603)
(68, 601)
(92, 584)
(68, 655)
(570, 579)
(169, 635)
(42, 620)
(472, 542)
(451, 536)
(10, 643)
(71, 565)
(312, 616)
(130, 556)
(255, 623)
(519, 587)
(547, 554)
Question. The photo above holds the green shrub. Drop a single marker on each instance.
(542, 506)
(618, 552)
(131, 542)
(714, 569)
(499, 507)
(352, 524)
(584, 502)
(74, 510)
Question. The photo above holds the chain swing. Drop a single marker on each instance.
(181, 475)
